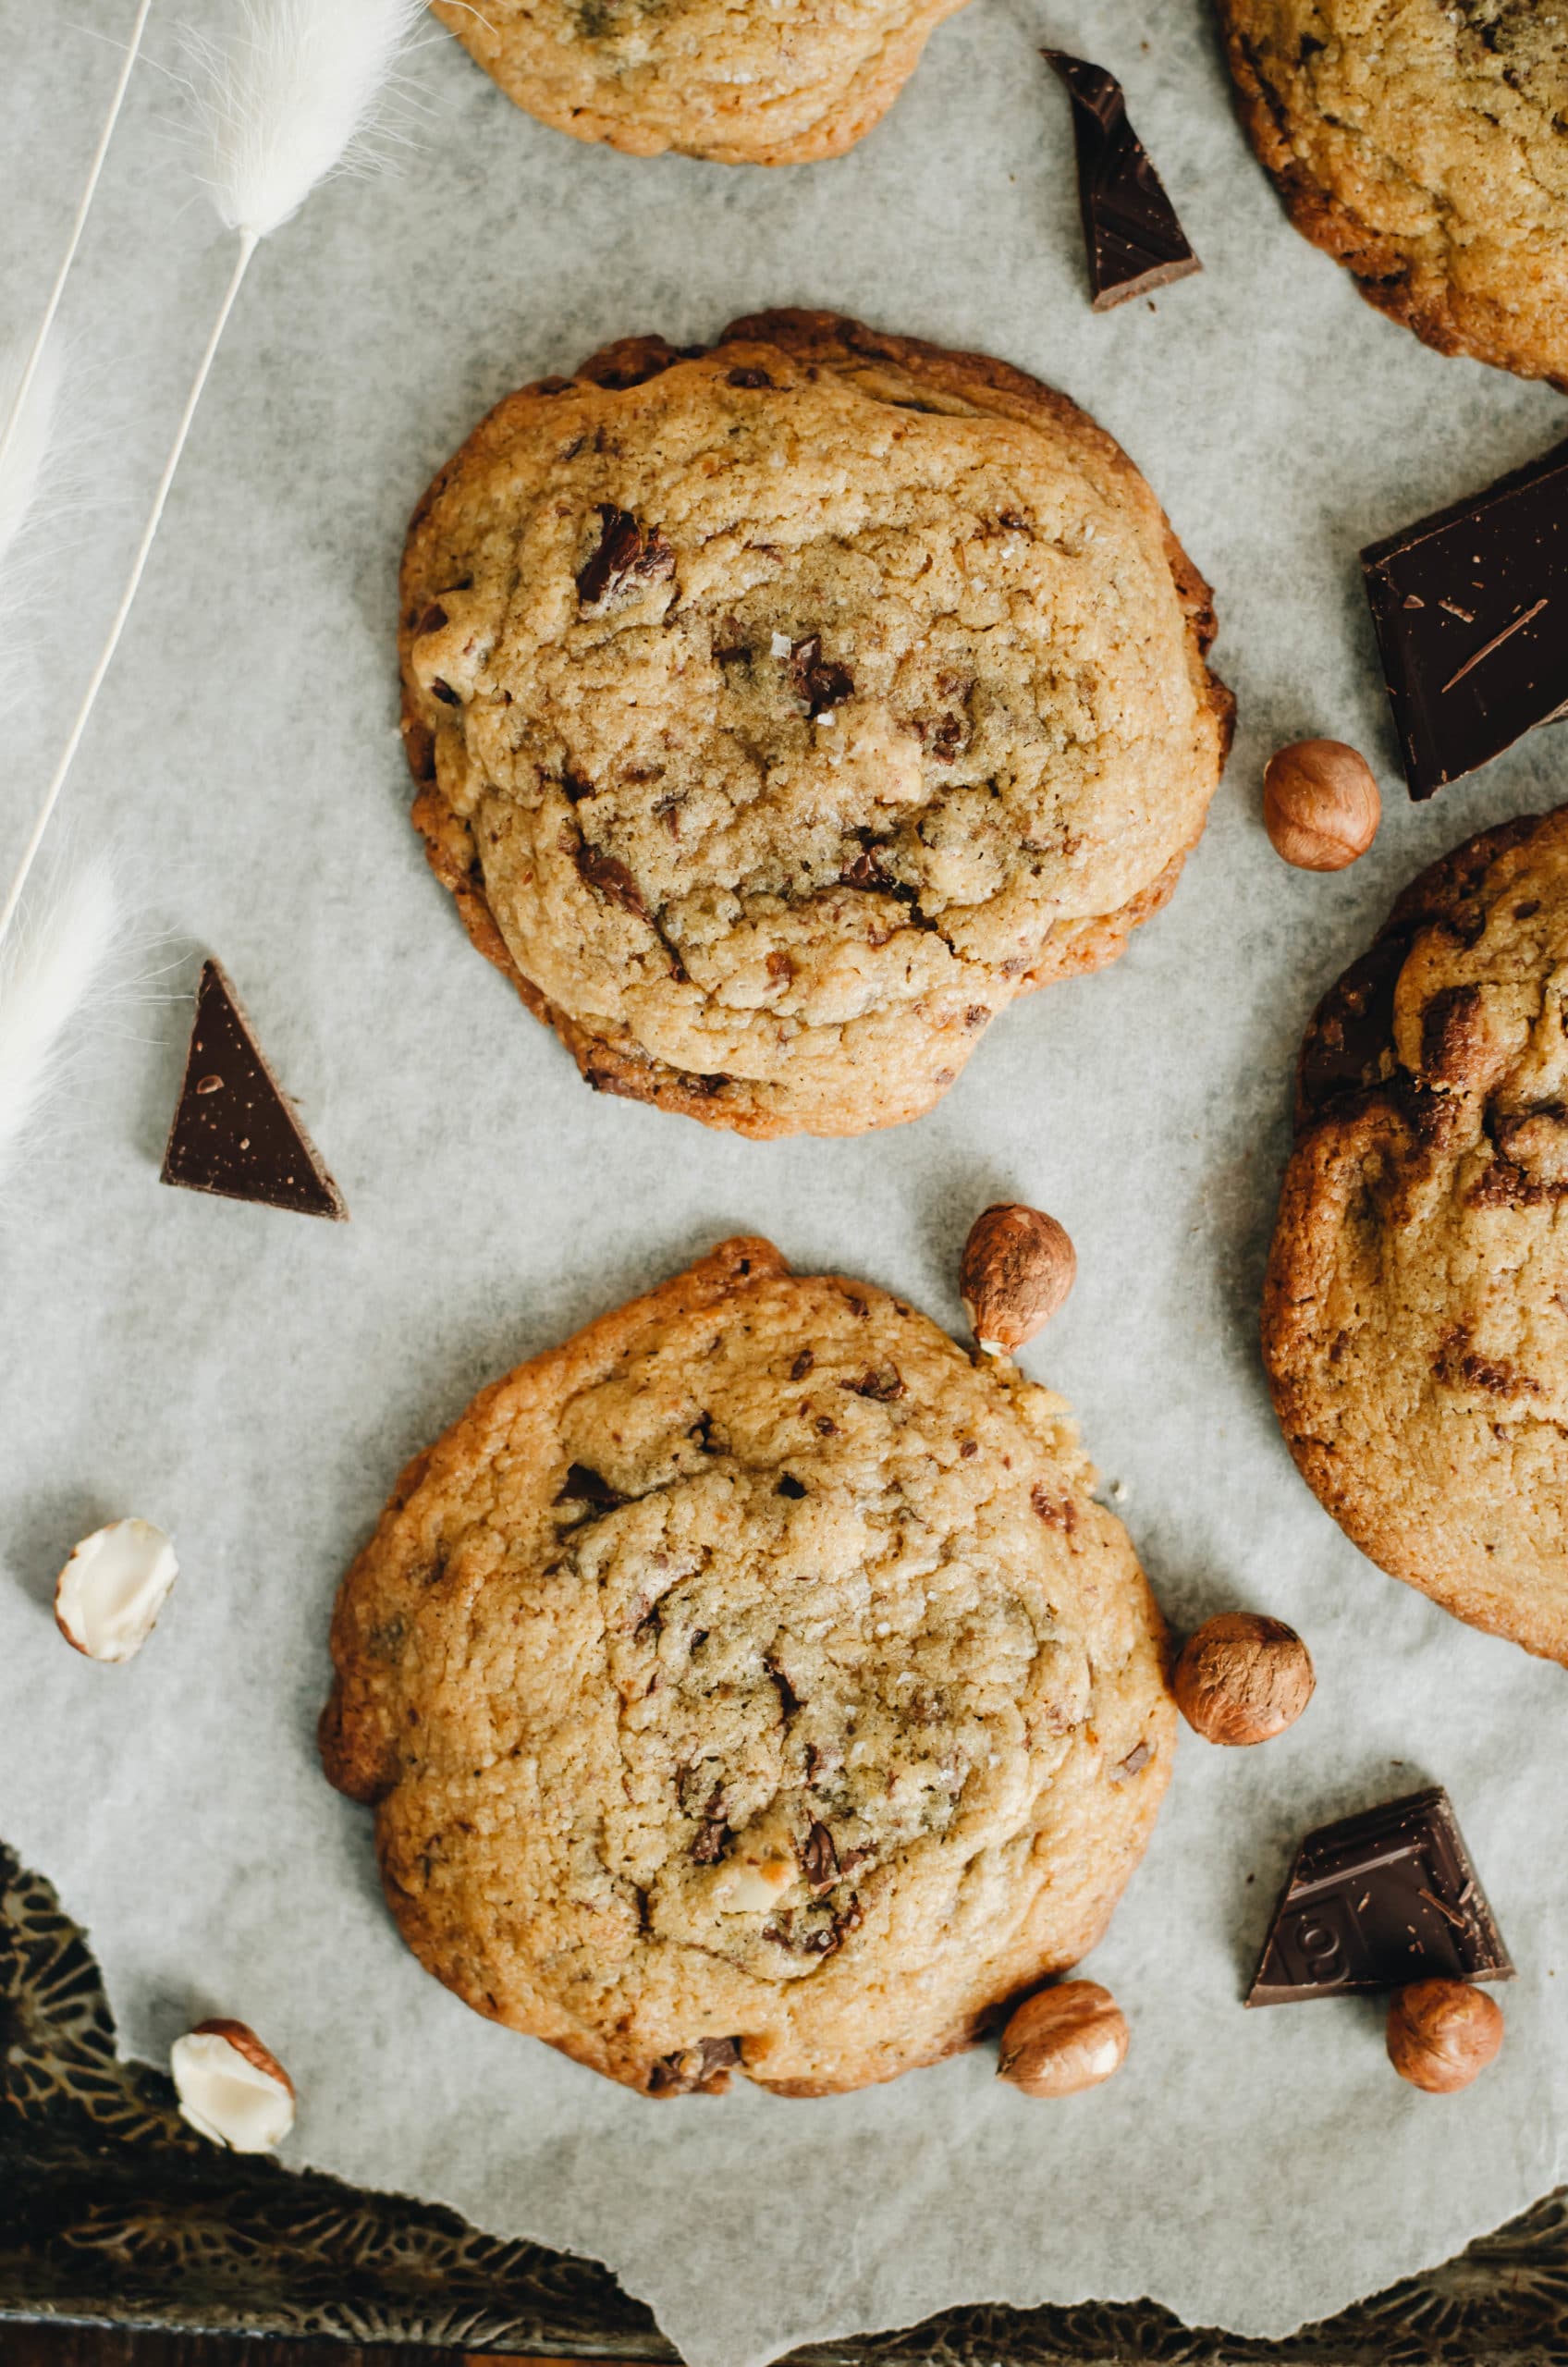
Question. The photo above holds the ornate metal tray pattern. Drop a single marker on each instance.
(111, 2210)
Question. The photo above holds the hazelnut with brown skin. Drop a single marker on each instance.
(1018, 1268)
(1063, 2040)
(1441, 2033)
(1243, 1678)
(1320, 804)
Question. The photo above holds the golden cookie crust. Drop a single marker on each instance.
(752, 1684)
(1421, 143)
(1416, 1307)
(783, 83)
(724, 903)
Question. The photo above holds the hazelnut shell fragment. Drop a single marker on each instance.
(1243, 1679)
(1017, 1271)
(1063, 2040)
(1442, 2033)
(231, 2088)
(1320, 804)
(109, 1594)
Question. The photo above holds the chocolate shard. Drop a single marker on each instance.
(1376, 1900)
(700, 2070)
(1471, 611)
(234, 1132)
(584, 1487)
(1134, 239)
(627, 553)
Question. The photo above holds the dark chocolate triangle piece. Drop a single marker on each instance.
(1471, 611)
(234, 1132)
(1130, 225)
(1376, 1900)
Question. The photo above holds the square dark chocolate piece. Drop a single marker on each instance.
(1471, 612)
(1376, 1900)
(1130, 227)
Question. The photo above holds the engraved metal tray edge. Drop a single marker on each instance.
(111, 2212)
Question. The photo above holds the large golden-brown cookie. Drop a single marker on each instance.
(773, 82)
(751, 1682)
(1416, 1312)
(1422, 143)
(783, 712)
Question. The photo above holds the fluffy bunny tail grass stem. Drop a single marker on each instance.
(48, 968)
(139, 567)
(29, 368)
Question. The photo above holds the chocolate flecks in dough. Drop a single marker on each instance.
(801, 1365)
(700, 2070)
(627, 552)
(819, 1859)
(789, 1486)
(816, 680)
(1134, 239)
(234, 1132)
(1470, 608)
(610, 877)
(882, 1385)
(584, 1487)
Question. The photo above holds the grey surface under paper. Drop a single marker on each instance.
(253, 1380)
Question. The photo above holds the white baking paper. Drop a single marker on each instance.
(252, 1381)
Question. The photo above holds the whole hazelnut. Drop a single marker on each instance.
(1320, 804)
(1018, 1268)
(1243, 1678)
(1063, 2040)
(1441, 2033)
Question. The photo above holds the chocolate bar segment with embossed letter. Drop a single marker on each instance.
(1378, 1899)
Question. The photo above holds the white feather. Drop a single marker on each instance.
(25, 455)
(293, 91)
(49, 964)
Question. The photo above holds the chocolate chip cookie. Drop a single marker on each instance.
(776, 83)
(1421, 143)
(1416, 1312)
(781, 712)
(752, 1684)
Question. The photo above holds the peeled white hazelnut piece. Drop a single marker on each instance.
(1017, 1269)
(1320, 804)
(231, 2089)
(109, 1594)
(753, 1887)
(1064, 2039)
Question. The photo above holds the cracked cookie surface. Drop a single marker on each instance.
(1416, 1309)
(781, 83)
(752, 1684)
(783, 712)
(1422, 143)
